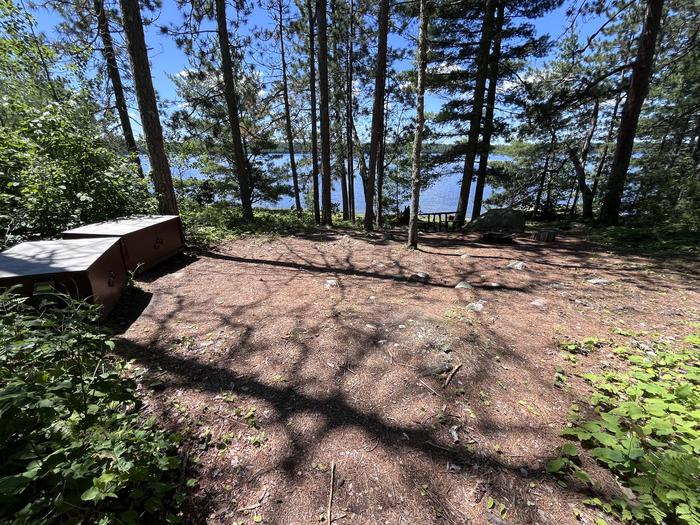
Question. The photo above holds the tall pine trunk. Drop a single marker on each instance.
(380, 174)
(337, 85)
(231, 97)
(116, 81)
(148, 108)
(579, 159)
(420, 123)
(326, 210)
(287, 114)
(314, 132)
(494, 60)
(636, 93)
(477, 109)
(377, 133)
(606, 147)
(349, 117)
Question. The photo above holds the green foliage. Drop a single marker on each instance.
(208, 225)
(646, 433)
(650, 237)
(74, 447)
(55, 173)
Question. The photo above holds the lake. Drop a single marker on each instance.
(442, 195)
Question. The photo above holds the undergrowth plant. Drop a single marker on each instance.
(646, 433)
(74, 448)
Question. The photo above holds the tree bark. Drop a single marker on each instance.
(606, 147)
(116, 81)
(148, 108)
(287, 113)
(314, 133)
(380, 174)
(420, 123)
(326, 205)
(349, 117)
(231, 97)
(377, 110)
(488, 118)
(636, 93)
(543, 178)
(477, 108)
(579, 158)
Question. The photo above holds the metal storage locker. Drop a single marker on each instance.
(90, 269)
(146, 240)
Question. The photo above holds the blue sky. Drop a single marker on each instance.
(167, 59)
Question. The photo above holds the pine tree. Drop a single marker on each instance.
(146, 96)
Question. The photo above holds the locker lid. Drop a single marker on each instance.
(47, 257)
(122, 226)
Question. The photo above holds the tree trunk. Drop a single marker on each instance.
(579, 159)
(477, 108)
(377, 133)
(349, 117)
(314, 133)
(604, 155)
(420, 123)
(543, 178)
(148, 108)
(636, 93)
(326, 205)
(380, 175)
(116, 81)
(287, 114)
(488, 119)
(337, 86)
(232, 108)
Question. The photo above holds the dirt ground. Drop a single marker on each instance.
(279, 357)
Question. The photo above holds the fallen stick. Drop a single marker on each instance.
(427, 386)
(250, 507)
(330, 493)
(451, 374)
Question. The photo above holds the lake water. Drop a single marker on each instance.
(441, 196)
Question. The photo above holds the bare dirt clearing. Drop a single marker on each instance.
(276, 357)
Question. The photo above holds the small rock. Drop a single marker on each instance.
(476, 307)
(372, 297)
(464, 256)
(598, 281)
(517, 265)
(492, 285)
(421, 277)
(453, 433)
(539, 303)
(402, 326)
(332, 283)
(463, 284)
(453, 468)
(371, 326)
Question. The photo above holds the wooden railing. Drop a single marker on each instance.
(437, 221)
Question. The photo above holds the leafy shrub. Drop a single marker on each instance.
(207, 225)
(56, 173)
(647, 433)
(74, 447)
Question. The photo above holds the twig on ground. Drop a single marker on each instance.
(427, 386)
(340, 517)
(451, 374)
(249, 507)
(330, 493)
(446, 449)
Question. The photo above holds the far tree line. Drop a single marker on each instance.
(600, 119)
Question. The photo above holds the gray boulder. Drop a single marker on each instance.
(498, 220)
